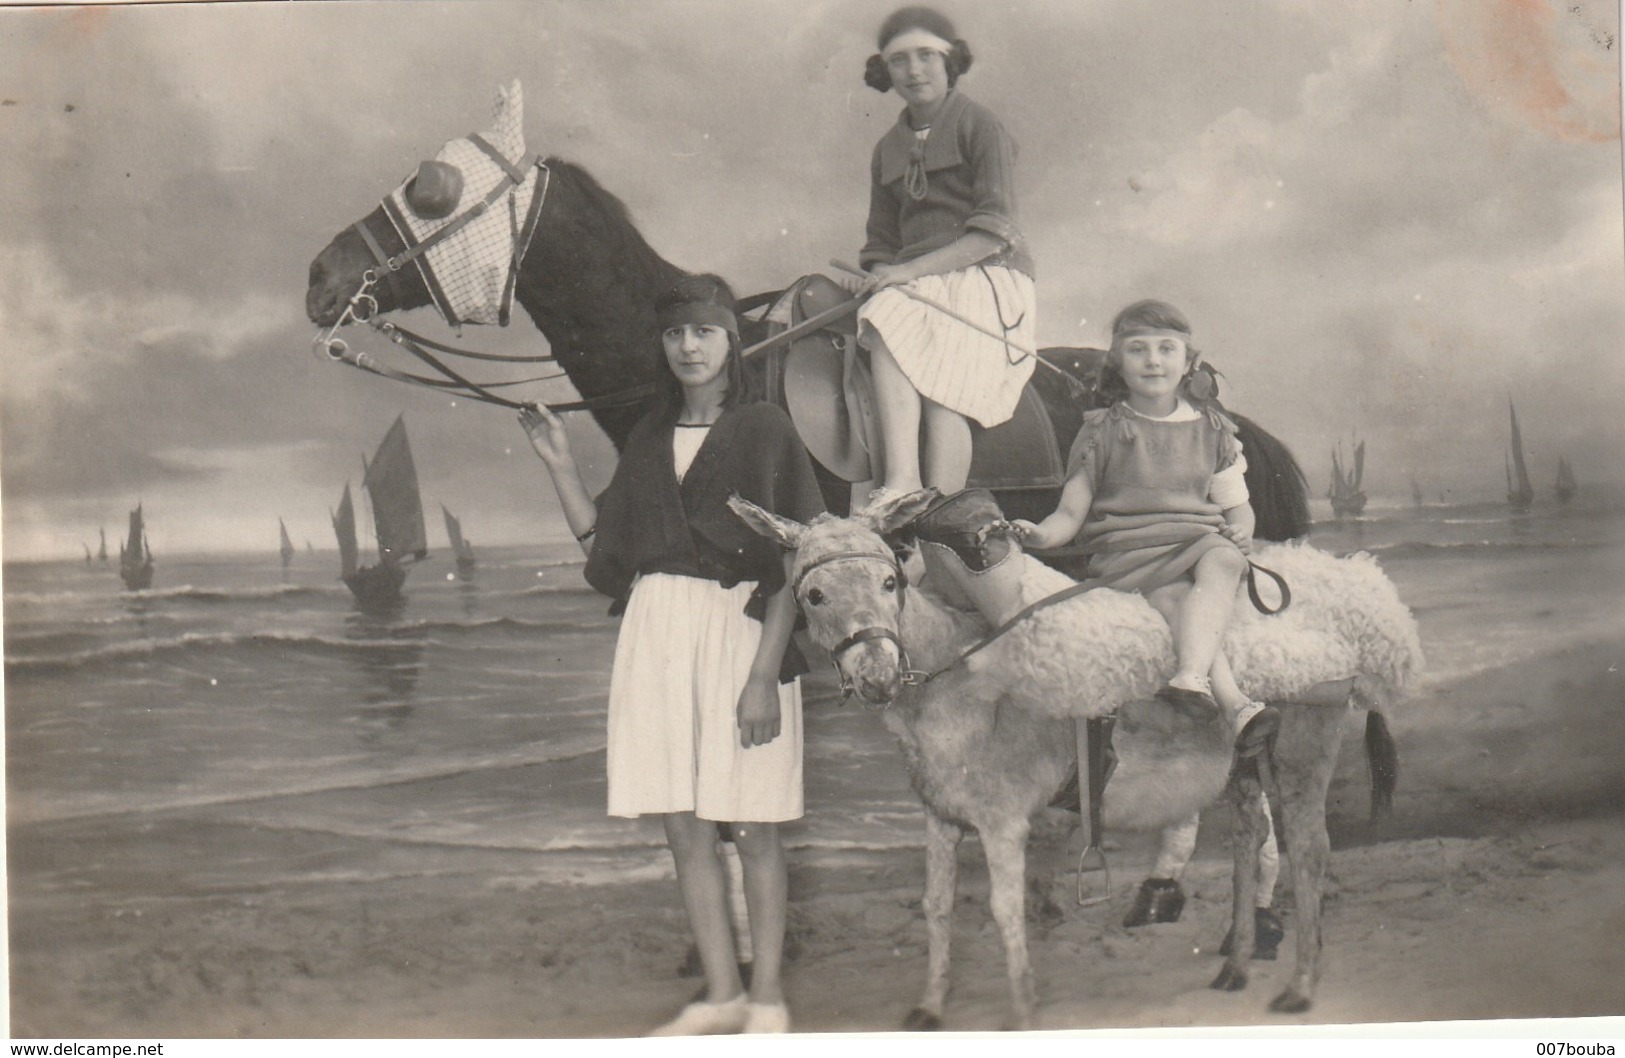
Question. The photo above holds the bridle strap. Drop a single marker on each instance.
(864, 635)
(841, 556)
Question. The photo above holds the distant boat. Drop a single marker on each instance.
(1347, 498)
(287, 545)
(1520, 493)
(102, 554)
(1565, 487)
(135, 556)
(459, 544)
(391, 480)
(309, 548)
(1416, 494)
(87, 554)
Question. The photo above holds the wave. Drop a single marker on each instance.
(103, 805)
(202, 642)
(1467, 548)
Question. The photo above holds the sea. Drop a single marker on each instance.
(240, 691)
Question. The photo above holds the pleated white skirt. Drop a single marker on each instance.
(683, 655)
(962, 368)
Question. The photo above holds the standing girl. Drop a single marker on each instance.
(942, 228)
(704, 703)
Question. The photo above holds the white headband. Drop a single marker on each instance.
(913, 38)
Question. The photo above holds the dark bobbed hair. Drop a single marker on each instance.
(1151, 314)
(705, 289)
(875, 74)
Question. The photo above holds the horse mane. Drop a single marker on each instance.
(608, 221)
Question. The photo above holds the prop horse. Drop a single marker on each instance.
(988, 735)
(484, 224)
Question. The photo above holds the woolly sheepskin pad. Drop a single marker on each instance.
(1090, 654)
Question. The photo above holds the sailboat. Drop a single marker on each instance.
(1347, 498)
(87, 553)
(102, 554)
(459, 543)
(391, 480)
(1565, 487)
(135, 556)
(1520, 493)
(287, 544)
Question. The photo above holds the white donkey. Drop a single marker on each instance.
(989, 739)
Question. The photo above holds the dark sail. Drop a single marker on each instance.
(287, 545)
(459, 544)
(397, 510)
(134, 556)
(1345, 492)
(1566, 486)
(344, 527)
(1520, 493)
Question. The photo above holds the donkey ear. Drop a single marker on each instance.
(894, 512)
(786, 532)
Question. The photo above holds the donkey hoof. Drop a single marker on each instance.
(1158, 900)
(922, 1020)
(1230, 979)
(1289, 1002)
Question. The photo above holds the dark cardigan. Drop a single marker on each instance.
(649, 523)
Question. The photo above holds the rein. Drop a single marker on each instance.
(363, 308)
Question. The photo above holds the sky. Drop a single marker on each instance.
(1383, 218)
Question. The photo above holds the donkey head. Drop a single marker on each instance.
(848, 584)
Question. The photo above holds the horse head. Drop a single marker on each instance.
(435, 239)
(848, 583)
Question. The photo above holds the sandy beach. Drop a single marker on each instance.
(1496, 890)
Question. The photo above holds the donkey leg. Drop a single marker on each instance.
(941, 877)
(1006, 850)
(1305, 777)
(1245, 793)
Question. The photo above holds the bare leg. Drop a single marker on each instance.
(766, 892)
(704, 886)
(946, 448)
(1205, 611)
(898, 407)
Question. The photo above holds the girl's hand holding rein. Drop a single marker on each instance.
(758, 711)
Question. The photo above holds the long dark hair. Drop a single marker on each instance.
(704, 289)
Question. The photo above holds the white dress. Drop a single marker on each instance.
(958, 366)
(684, 652)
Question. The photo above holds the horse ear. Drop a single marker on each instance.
(507, 131)
(786, 532)
(894, 512)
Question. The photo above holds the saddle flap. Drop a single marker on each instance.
(827, 386)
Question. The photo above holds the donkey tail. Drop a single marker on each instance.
(1382, 755)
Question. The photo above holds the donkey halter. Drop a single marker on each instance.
(909, 676)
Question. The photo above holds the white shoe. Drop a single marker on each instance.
(708, 1019)
(767, 1017)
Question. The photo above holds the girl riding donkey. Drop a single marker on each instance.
(704, 700)
(1155, 492)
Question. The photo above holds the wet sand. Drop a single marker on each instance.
(1496, 890)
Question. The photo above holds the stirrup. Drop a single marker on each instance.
(1085, 862)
